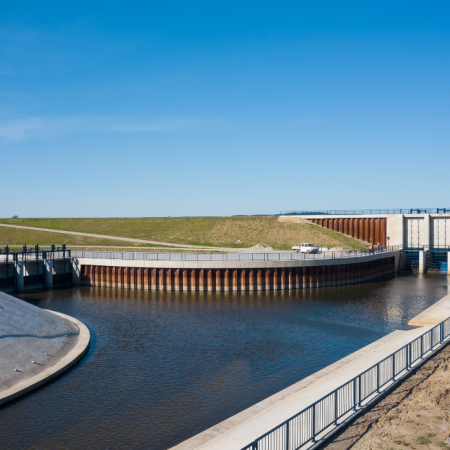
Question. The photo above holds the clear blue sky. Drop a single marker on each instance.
(175, 108)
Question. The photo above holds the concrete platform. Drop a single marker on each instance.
(35, 346)
(433, 315)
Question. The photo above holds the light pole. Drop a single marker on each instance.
(388, 240)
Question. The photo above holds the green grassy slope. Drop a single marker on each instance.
(214, 231)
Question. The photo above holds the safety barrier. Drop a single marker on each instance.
(273, 256)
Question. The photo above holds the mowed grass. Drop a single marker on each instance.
(206, 231)
(16, 237)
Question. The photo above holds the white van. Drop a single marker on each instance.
(306, 248)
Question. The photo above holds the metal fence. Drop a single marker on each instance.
(272, 256)
(360, 212)
(40, 255)
(323, 416)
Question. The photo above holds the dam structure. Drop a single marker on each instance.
(423, 234)
(408, 228)
(194, 272)
(202, 272)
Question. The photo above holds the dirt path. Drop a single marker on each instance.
(118, 238)
(415, 416)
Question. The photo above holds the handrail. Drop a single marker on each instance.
(322, 416)
(40, 255)
(196, 257)
(360, 212)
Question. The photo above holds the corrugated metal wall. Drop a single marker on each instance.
(371, 230)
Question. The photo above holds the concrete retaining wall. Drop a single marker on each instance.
(231, 276)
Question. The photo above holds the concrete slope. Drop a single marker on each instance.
(32, 340)
(119, 238)
(433, 315)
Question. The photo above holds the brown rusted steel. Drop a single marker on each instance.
(194, 280)
(312, 277)
(298, 280)
(169, 280)
(218, 280)
(251, 280)
(361, 229)
(377, 232)
(155, 279)
(243, 280)
(259, 279)
(267, 279)
(108, 276)
(210, 280)
(383, 232)
(305, 276)
(184, 280)
(177, 282)
(226, 280)
(202, 280)
(275, 279)
(282, 279)
(161, 279)
(236, 278)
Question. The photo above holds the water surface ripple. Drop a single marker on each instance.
(165, 365)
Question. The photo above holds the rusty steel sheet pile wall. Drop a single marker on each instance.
(239, 279)
(370, 229)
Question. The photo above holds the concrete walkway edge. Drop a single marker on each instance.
(51, 372)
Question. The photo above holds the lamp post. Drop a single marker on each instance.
(388, 240)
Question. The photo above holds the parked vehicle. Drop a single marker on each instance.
(306, 248)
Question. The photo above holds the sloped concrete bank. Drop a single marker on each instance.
(36, 345)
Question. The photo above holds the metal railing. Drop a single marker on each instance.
(361, 212)
(323, 416)
(40, 255)
(273, 256)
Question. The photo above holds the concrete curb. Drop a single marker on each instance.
(51, 372)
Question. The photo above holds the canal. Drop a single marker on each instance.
(164, 366)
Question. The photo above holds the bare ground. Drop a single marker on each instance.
(416, 415)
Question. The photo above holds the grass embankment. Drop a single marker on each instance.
(206, 231)
(16, 238)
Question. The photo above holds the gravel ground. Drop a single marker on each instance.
(415, 416)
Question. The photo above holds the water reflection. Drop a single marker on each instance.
(166, 365)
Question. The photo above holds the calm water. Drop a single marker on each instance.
(163, 366)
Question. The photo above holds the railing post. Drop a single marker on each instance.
(287, 435)
(393, 366)
(421, 346)
(359, 393)
(378, 377)
(354, 393)
(408, 361)
(314, 423)
(335, 406)
(431, 337)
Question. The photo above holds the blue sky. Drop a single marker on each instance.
(205, 108)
